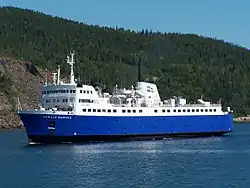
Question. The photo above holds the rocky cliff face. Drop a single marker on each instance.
(25, 82)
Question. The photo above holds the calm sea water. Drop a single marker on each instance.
(206, 162)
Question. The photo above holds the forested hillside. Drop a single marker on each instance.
(184, 64)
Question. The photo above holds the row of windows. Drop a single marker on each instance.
(109, 110)
(62, 109)
(99, 110)
(188, 110)
(86, 91)
(140, 111)
(85, 101)
(58, 100)
(58, 91)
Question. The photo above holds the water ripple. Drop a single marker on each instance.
(206, 162)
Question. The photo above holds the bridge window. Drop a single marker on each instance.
(85, 101)
(64, 100)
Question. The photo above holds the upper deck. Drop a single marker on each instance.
(144, 98)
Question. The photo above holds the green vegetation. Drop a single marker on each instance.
(185, 64)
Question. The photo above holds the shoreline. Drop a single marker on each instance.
(242, 119)
(10, 129)
(239, 120)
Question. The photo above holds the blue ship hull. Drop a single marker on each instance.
(44, 128)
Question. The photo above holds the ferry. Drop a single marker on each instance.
(72, 112)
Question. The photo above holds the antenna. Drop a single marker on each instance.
(139, 70)
(19, 106)
(46, 77)
(58, 75)
(138, 60)
(78, 68)
(54, 78)
(71, 63)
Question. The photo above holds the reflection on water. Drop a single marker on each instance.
(203, 162)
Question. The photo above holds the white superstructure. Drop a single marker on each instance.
(141, 100)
